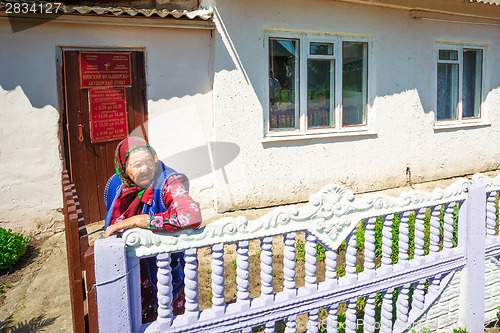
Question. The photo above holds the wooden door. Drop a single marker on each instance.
(90, 161)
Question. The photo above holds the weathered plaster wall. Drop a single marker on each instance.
(402, 74)
(179, 102)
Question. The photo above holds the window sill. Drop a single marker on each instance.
(459, 125)
(294, 136)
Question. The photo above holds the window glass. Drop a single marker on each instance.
(320, 87)
(321, 49)
(472, 83)
(283, 83)
(448, 55)
(447, 85)
(354, 83)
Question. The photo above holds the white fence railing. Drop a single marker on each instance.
(385, 260)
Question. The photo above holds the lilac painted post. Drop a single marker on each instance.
(112, 278)
(165, 299)
(134, 285)
(474, 219)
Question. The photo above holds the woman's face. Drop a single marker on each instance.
(141, 168)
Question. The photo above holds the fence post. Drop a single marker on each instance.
(112, 277)
(473, 221)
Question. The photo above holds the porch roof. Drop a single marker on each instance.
(204, 14)
(491, 2)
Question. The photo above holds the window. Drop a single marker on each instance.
(459, 84)
(317, 84)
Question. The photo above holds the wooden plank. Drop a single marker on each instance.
(74, 264)
(91, 294)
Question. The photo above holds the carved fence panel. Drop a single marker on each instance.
(386, 260)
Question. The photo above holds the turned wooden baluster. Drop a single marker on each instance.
(350, 316)
(218, 287)
(266, 276)
(243, 275)
(448, 225)
(310, 264)
(291, 325)
(418, 298)
(350, 257)
(387, 243)
(165, 300)
(369, 318)
(191, 283)
(420, 232)
(331, 267)
(404, 240)
(434, 230)
(369, 265)
(491, 214)
(289, 275)
(386, 313)
(312, 325)
(402, 307)
(331, 321)
(266, 268)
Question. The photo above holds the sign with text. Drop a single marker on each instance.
(105, 69)
(108, 114)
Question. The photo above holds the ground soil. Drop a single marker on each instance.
(35, 292)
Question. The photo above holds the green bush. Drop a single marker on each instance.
(12, 247)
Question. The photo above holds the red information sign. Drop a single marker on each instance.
(105, 69)
(108, 114)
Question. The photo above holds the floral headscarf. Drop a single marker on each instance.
(122, 152)
(132, 197)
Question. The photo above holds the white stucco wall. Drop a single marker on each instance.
(402, 76)
(178, 71)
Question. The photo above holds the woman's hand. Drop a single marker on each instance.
(136, 221)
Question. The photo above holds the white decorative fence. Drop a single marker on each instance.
(386, 263)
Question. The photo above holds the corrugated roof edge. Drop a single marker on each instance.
(490, 2)
(204, 14)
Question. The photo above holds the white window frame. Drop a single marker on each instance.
(460, 121)
(304, 54)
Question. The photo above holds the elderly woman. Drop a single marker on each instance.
(147, 194)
